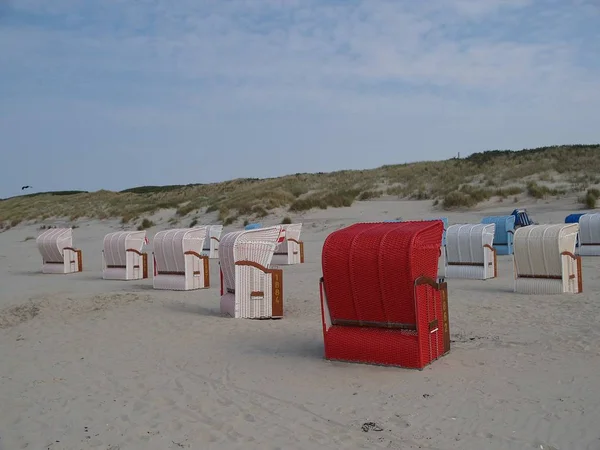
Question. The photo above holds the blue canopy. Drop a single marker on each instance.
(573, 218)
(504, 224)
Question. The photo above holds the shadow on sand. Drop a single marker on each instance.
(192, 308)
(286, 346)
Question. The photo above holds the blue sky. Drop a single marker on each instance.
(118, 93)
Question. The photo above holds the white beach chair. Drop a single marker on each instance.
(58, 255)
(178, 262)
(442, 260)
(469, 251)
(250, 289)
(122, 257)
(211, 242)
(544, 259)
(589, 235)
(291, 250)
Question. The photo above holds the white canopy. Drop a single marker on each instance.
(538, 248)
(116, 245)
(589, 229)
(52, 242)
(212, 231)
(255, 245)
(170, 247)
(465, 242)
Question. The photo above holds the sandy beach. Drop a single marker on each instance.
(112, 365)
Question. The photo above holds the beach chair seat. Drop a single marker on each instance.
(504, 232)
(589, 235)
(544, 260)
(58, 254)
(380, 301)
(250, 287)
(470, 252)
(212, 240)
(122, 256)
(178, 262)
(291, 250)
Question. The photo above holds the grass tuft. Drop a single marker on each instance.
(590, 199)
(146, 223)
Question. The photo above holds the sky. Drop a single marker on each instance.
(111, 94)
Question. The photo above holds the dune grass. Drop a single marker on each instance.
(456, 183)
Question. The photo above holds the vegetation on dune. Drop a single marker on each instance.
(146, 223)
(156, 189)
(590, 198)
(55, 193)
(539, 173)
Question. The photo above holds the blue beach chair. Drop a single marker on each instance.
(503, 234)
(574, 218)
(253, 226)
(522, 219)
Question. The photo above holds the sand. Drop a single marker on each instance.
(94, 364)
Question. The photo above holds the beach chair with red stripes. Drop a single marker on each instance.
(291, 249)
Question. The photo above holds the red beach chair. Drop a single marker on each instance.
(380, 301)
